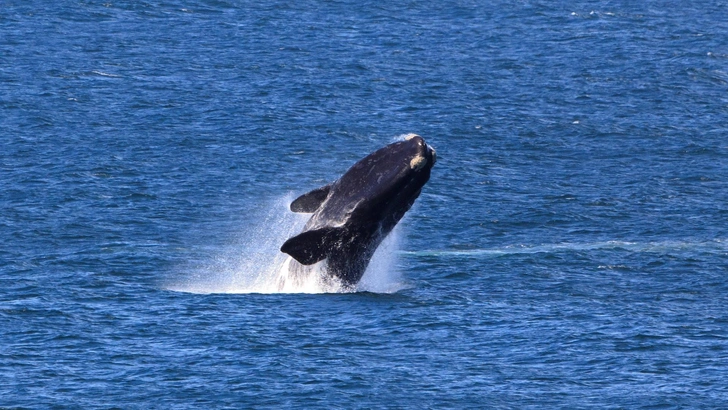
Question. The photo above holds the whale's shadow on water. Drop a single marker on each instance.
(253, 262)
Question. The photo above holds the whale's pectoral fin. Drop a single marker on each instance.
(310, 247)
(310, 202)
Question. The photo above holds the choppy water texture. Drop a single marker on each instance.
(570, 250)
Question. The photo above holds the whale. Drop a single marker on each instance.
(354, 214)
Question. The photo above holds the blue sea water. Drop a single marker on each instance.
(569, 251)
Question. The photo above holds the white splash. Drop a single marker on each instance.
(382, 275)
(256, 265)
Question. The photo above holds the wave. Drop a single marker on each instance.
(104, 74)
(715, 246)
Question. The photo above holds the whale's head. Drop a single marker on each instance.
(424, 156)
(384, 184)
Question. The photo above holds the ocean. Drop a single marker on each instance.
(569, 251)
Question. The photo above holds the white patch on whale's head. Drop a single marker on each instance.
(418, 162)
(410, 136)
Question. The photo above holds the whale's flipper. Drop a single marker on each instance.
(310, 202)
(311, 246)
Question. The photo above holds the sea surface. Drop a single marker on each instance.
(570, 250)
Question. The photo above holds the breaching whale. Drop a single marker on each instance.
(352, 215)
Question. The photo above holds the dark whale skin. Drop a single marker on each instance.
(352, 215)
